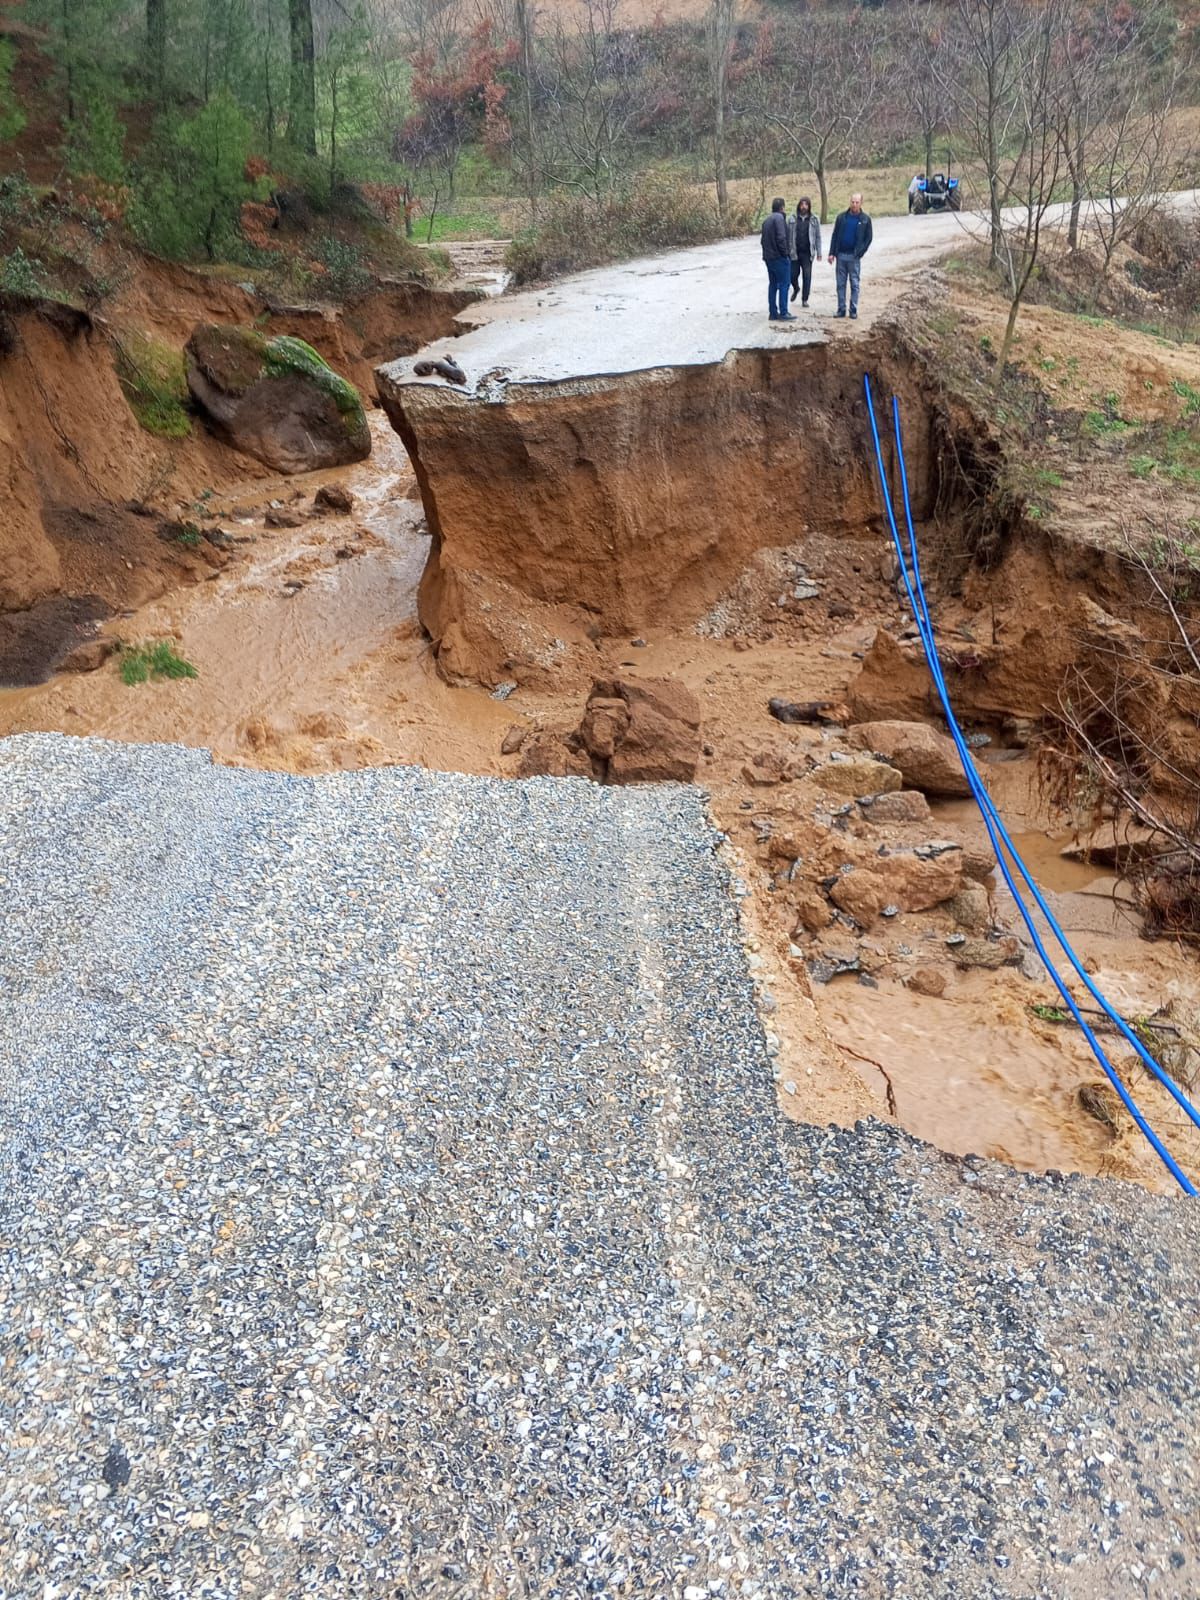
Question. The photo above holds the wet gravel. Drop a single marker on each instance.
(395, 1204)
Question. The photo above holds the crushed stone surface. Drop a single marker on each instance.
(395, 1204)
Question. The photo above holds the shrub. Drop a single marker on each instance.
(12, 118)
(346, 272)
(653, 213)
(141, 662)
(22, 276)
(193, 182)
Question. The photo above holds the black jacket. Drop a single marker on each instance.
(775, 237)
(862, 238)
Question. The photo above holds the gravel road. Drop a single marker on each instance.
(396, 1205)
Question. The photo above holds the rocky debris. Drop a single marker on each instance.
(812, 912)
(89, 656)
(334, 499)
(347, 552)
(441, 367)
(831, 964)
(513, 739)
(927, 760)
(282, 517)
(768, 767)
(929, 981)
(988, 954)
(857, 776)
(971, 908)
(978, 865)
(901, 805)
(893, 681)
(827, 712)
(275, 398)
(905, 880)
(641, 730)
(549, 755)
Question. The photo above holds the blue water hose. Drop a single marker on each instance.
(925, 623)
(995, 828)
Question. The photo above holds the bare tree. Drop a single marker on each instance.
(818, 88)
(595, 91)
(980, 68)
(302, 96)
(719, 30)
(1033, 181)
(925, 98)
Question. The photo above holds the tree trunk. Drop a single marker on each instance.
(525, 34)
(156, 47)
(721, 24)
(302, 96)
(928, 153)
(819, 171)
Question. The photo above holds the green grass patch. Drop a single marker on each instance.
(480, 223)
(159, 659)
(152, 379)
(1190, 397)
(1045, 479)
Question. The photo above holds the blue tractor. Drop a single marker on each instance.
(936, 193)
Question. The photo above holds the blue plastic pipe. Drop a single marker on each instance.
(997, 833)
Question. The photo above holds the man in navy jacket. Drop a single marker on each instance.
(779, 266)
(848, 244)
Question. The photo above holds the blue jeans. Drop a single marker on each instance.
(779, 274)
(848, 267)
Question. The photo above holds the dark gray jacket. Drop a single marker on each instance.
(775, 237)
(795, 236)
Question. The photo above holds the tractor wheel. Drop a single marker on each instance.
(920, 205)
(954, 201)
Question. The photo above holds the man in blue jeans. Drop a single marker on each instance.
(779, 264)
(848, 244)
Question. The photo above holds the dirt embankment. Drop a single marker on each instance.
(612, 504)
(90, 495)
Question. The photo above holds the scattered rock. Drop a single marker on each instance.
(927, 980)
(812, 912)
(513, 740)
(901, 805)
(89, 656)
(769, 767)
(347, 552)
(978, 865)
(660, 739)
(548, 755)
(927, 760)
(281, 517)
(806, 711)
(904, 880)
(503, 690)
(275, 398)
(857, 776)
(824, 968)
(840, 610)
(988, 954)
(333, 498)
(971, 908)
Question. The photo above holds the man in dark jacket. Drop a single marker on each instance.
(848, 244)
(779, 266)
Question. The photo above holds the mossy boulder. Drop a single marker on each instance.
(275, 398)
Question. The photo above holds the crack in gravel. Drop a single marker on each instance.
(396, 1204)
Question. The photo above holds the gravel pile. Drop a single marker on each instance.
(395, 1204)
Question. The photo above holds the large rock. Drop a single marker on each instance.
(641, 730)
(858, 776)
(275, 398)
(908, 882)
(927, 760)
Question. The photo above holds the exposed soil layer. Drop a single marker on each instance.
(617, 503)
